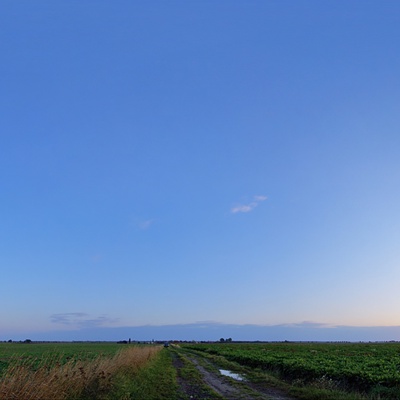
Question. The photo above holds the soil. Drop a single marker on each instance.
(188, 388)
(223, 386)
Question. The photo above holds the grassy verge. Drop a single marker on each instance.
(155, 381)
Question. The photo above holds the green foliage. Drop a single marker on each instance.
(35, 354)
(78, 371)
(366, 367)
(155, 381)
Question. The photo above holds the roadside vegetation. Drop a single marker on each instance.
(72, 372)
(157, 380)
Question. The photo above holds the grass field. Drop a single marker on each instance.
(80, 371)
(35, 353)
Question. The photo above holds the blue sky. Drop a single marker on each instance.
(221, 162)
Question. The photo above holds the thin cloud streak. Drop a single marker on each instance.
(245, 208)
(260, 198)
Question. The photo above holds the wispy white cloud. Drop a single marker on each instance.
(260, 198)
(245, 208)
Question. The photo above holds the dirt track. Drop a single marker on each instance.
(219, 386)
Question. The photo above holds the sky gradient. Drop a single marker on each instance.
(226, 163)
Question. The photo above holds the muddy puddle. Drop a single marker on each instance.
(231, 374)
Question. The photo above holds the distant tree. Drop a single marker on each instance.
(222, 340)
(229, 340)
(10, 341)
(27, 341)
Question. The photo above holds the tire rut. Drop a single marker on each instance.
(226, 388)
(188, 389)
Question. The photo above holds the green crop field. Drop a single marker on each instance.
(84, 371)
(35, 354)
(370, 368)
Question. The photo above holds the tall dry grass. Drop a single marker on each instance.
(73, 379)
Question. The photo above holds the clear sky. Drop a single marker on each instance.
(175, 162)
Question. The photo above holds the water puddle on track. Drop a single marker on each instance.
(231, 374)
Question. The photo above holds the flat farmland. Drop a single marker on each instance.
(371, 369)
(82, 371)
(35, 354)
(214, 371)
